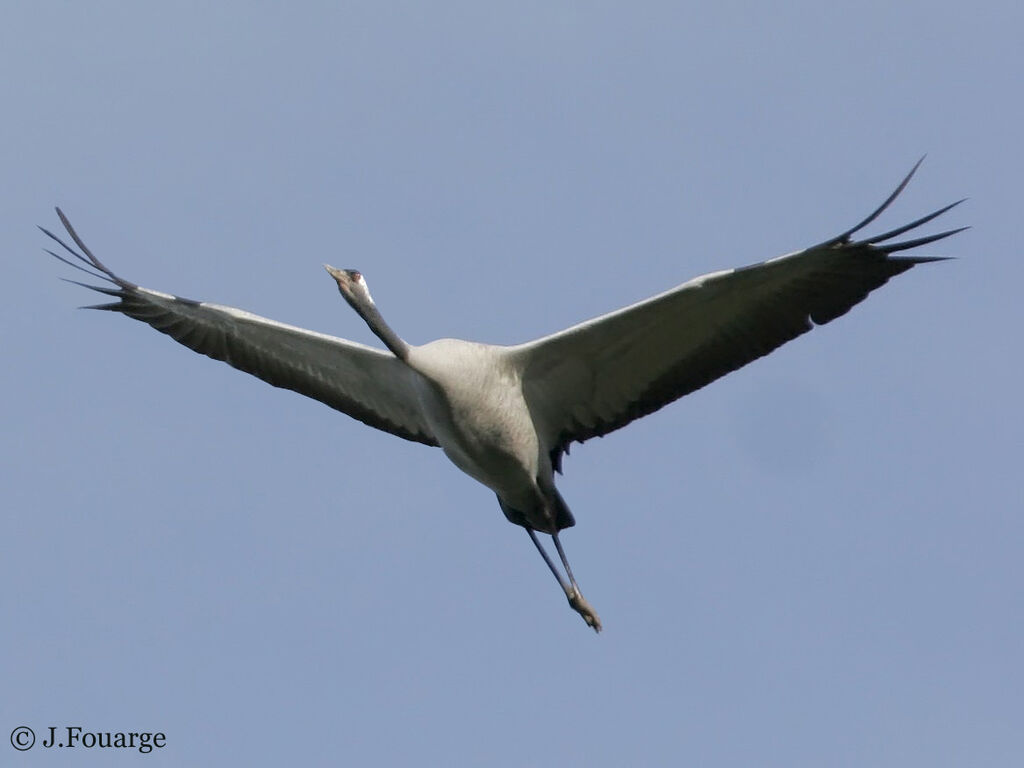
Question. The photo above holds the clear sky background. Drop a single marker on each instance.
(814, 562)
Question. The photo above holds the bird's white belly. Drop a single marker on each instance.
(479, 417)
(487, 444)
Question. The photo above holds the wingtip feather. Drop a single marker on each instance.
(917, 242)
(97, 288)
(845, 236)
(912, 225)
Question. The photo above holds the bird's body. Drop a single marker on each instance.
(506, 415)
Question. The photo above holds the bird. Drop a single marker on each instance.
(506, 415)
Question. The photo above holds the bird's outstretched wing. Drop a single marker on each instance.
(595, 377)
(367, 384)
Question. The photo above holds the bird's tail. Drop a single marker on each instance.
(539, 518)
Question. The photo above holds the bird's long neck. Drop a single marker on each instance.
(383, 331)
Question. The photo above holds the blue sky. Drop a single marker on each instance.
(815, 561)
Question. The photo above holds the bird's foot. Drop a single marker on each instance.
(582, 607)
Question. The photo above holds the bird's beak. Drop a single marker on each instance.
(341, 277)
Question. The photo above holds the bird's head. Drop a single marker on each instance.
(352, 286)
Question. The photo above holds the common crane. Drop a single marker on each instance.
(505, 415)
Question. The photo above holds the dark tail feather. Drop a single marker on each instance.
(563, 517)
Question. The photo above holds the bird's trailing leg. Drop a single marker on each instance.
(572, 590)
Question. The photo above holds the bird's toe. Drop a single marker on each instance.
(583, 608)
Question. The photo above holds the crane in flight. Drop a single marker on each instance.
(505, 415)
